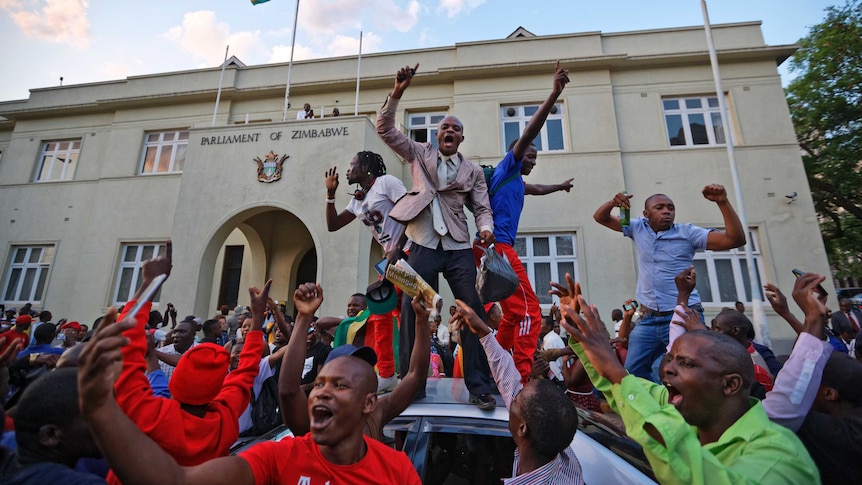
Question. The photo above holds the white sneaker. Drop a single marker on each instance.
(386, 384)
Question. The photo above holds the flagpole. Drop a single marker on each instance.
(220, 80)
(290, 64)
(358, 66)
(757, 310)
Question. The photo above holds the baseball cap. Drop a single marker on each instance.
(365, 353)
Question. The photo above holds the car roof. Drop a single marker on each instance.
(450, 397)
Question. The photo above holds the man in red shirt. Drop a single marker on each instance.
(200, 421)
(344, 395)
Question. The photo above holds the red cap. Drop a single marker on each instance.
(74, 325)
(199, 374)
(23, 321)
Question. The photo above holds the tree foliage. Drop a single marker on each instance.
(826, 104)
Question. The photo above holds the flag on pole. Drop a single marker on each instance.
(257, 2)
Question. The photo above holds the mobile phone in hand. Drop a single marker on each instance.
(820, 289)
(633, 305)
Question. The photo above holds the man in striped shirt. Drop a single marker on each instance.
(541, 419)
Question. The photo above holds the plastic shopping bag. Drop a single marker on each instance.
(496, 279)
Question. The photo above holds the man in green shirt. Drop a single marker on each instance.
(701, 426)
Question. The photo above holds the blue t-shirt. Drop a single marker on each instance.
(661, 256)
(41, 349)
(508, 202)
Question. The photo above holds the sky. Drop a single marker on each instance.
(100, 40)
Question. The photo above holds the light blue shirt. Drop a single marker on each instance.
(661, 256)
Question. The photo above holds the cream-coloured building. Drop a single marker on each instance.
(94, 178)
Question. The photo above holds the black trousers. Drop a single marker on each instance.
(459, 269)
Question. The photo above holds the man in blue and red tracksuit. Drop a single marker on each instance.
(522, 317)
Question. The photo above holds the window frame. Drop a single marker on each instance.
(529, 259)
(736, 258)
(38, 280)
(65, 174)
(428, 124)
(136, 266)
(175, 144)
(684, 111)
(523, 119)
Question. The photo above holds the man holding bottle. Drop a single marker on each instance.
(664, 249)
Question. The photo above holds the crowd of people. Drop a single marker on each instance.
(144, 398)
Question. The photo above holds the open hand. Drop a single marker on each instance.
(567, 294)
(308, 298)
(590, 331)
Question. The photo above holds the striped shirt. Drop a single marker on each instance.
(565, 468)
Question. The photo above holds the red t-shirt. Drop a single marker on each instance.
(298, 460)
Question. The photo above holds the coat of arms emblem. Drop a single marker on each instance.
(269, 169)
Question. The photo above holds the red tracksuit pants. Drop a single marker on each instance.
(522, 317)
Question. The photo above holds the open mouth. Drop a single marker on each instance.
(673, 395)
(321, 416)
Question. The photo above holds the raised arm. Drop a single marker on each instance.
(503, 369)
(334, 220)
(603, 214)
(539, 189)
(733, 235)
(115, 434)
(385, 124)
(534, 126)
(797, 384)
(133, 392)
(236, 390)
(291, 398)
(279, 319)
(397, 401)
(779, 305)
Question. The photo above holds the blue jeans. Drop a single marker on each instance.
(648, 343)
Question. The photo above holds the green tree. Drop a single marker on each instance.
(826, 105)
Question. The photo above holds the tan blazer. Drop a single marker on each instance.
(469, 181)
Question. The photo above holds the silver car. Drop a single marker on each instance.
(452, 442)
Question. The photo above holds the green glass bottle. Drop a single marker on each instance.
(624, 213)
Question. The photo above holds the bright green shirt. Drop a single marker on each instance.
(753, 450)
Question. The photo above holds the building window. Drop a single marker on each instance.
(27, 274)
(129, 277)
(58, 160)
(547, 258)
(515, 119)
(422, 127)
(164, 151)
(722, 276)
(693, 121)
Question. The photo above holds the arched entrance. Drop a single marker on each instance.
(250, 247)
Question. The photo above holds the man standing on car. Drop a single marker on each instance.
(433, 210)
(664, 249)
(522, 317)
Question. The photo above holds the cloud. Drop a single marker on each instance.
(204, 36)
(58, 21)
(328, 17)
(281, 53)
(455, 7)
